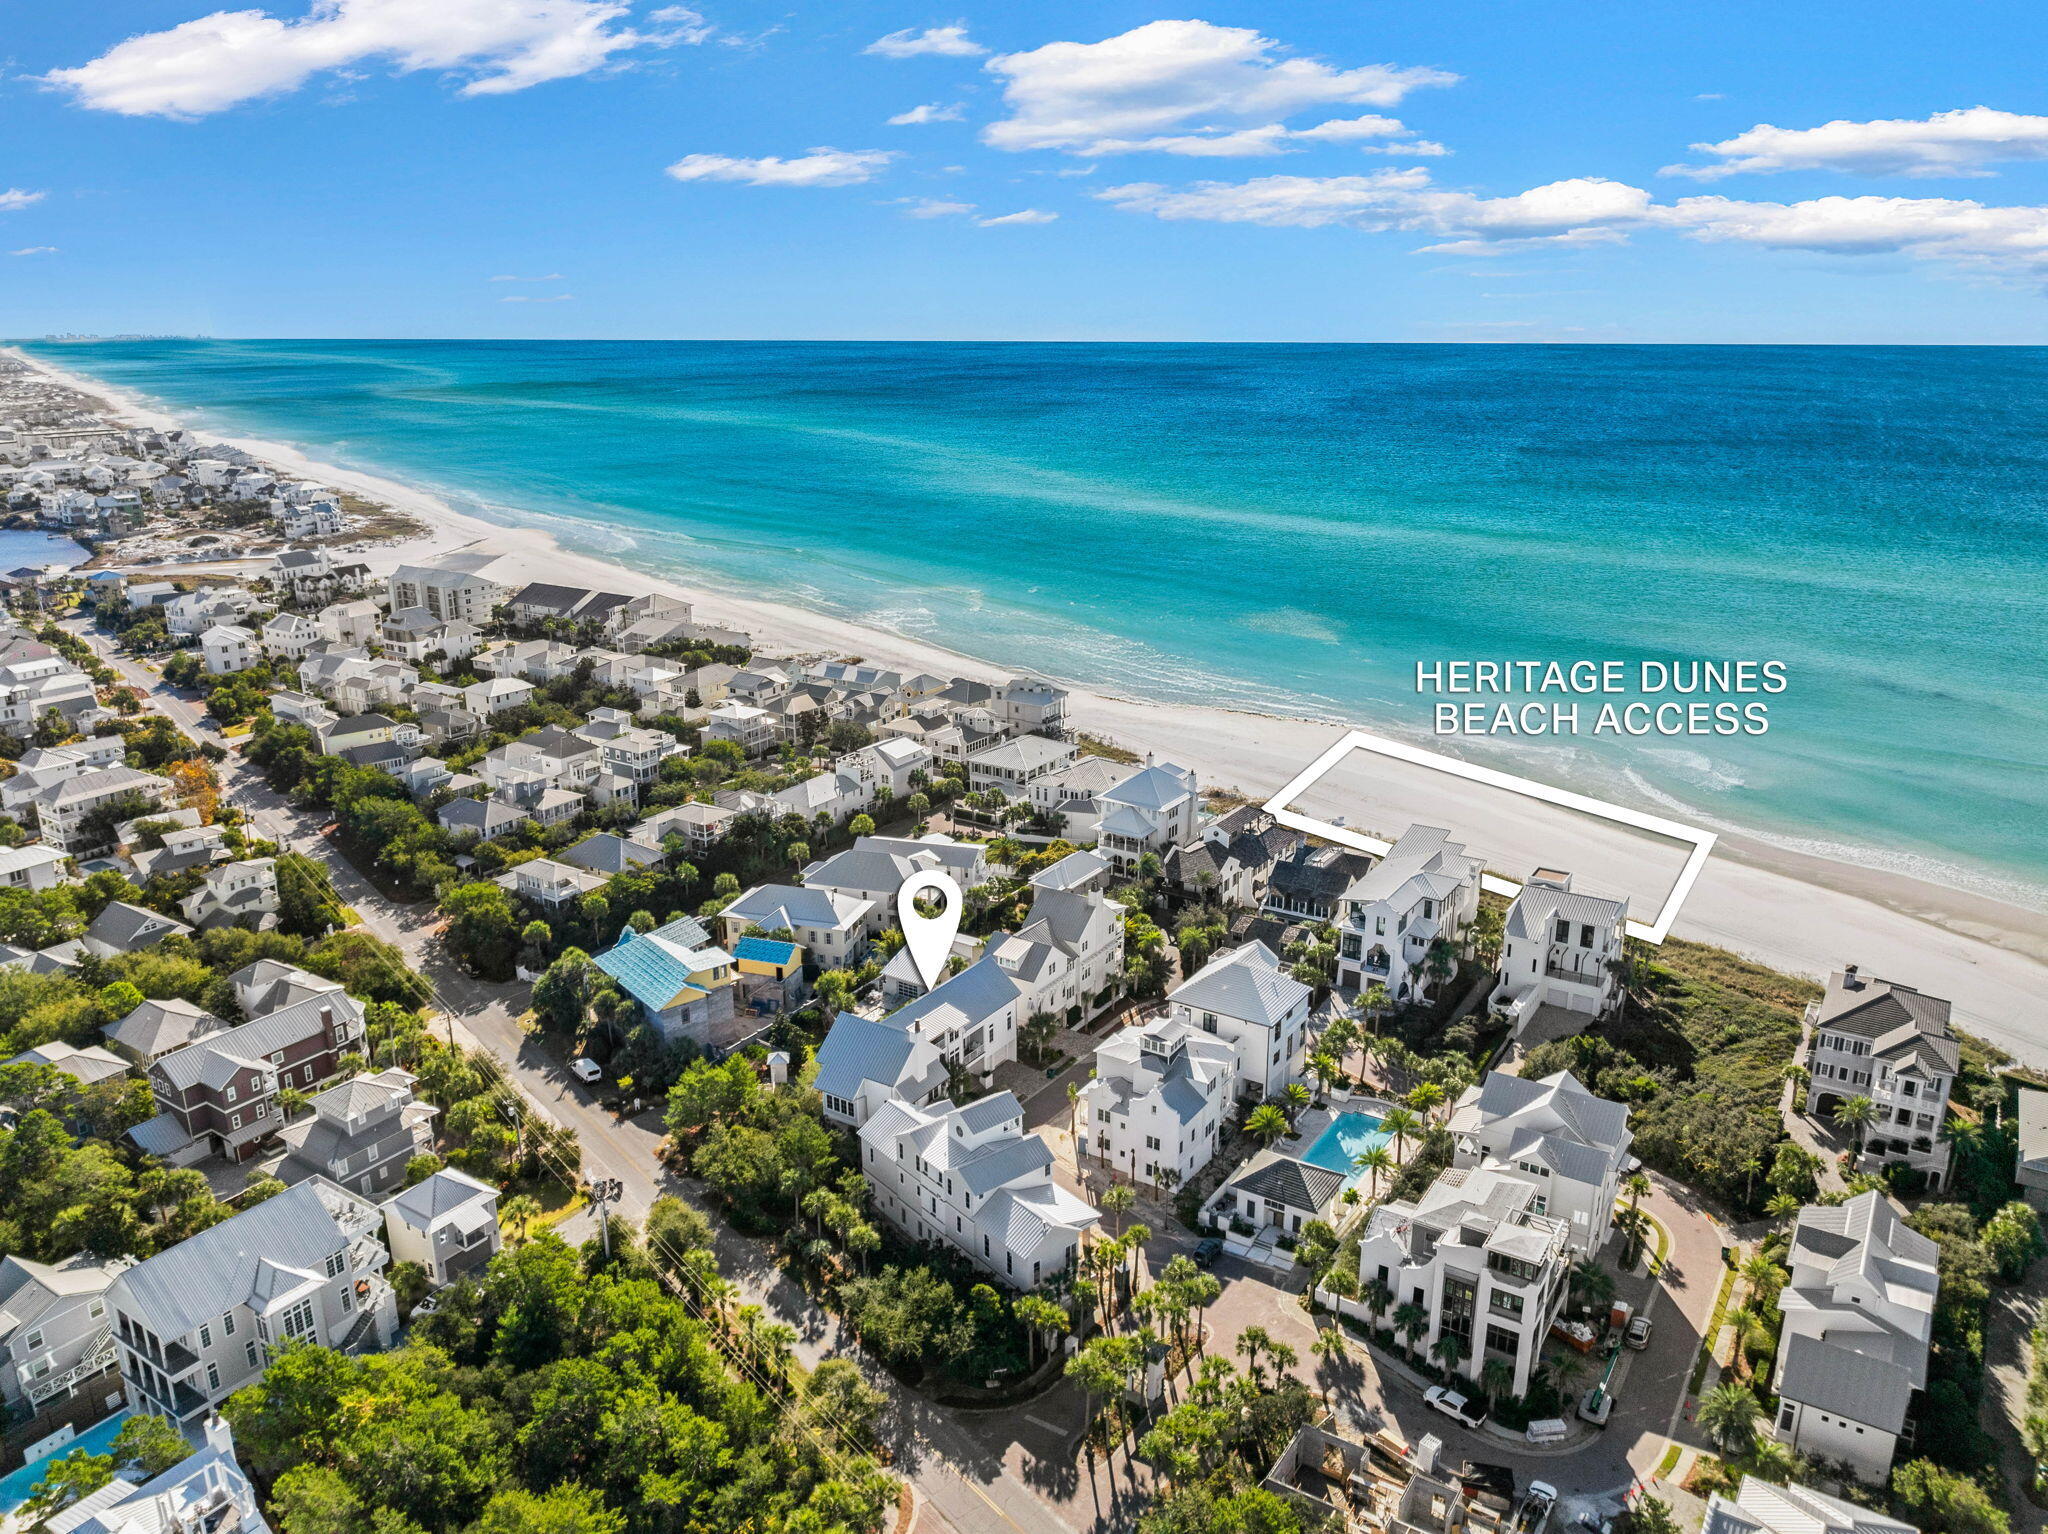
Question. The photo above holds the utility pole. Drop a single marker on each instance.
(604, 1190)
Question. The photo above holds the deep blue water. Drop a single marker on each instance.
(1292, 527)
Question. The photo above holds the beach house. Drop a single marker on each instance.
(1402, 922)
(1892, 1045)
(1561, 949)
(970, 1179)
(1246, 997)
(682, 981)
(1570, 1146)
(1160, 1097)
(1859, 1313)
(56, 1336)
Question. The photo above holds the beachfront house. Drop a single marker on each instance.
(1560, 949)
(1012, 767)
(969, 1178)
(1246, 997)
(446, 590)
(1150, 812)
(1403, 921)
(1892, 1044)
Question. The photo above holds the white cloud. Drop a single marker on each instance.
(951, 41)
(536, 298)
(1174, 78)
(34, 250)
(1959, 143)
(1022, 216)
(930, 112)
(224, 59)
(1591, 210)
(933, 207)
(550, 277)
(14, 197)
(823, 166)
(1265, 139)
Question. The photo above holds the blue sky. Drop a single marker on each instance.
(1441, 171)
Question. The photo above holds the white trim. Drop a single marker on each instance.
(1700, 843)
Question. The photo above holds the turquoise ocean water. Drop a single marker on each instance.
(1291, 528)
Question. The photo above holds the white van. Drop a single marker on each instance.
(1547, 1430)
(585, 1069)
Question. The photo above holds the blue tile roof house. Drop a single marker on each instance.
(682, 980)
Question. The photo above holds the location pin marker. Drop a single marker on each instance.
(929, 938)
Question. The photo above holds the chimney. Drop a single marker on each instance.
(1851, 981)
(218, 1434)
(327, 1020)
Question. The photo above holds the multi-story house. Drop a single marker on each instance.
(1013, 766)
(754, 730)
(699, 825)
(971, 1018)
(1559, 948)
(1028, 705)
(227, 648)
(682, 980)
(34, 867)
(360, 1134)
(1066, 954)
(447, 1223)
(626, 749)
(413, 634)
(970, 1179)
(1483, 1261)
(1570, 1146)
(1152, 812)
(891, 764)
(288, 636)
(1402, 922)
(449, 594)
(46, 766)
(497, 695)
(206, 1490)
(350, 623)
(1889, 1043)
(1859, 1311)
(1068, 799)
(1246, 996)
(549, 883)
(835, 928)
(56, 1334)
(34, 679)
(1160, 1096)
(243, 892)
(223, 1088)
(68, 813)
(197, 1322)
(866, 1062)
(1309, 882)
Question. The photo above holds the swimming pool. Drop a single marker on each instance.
(1347, 1136)
(97, 1439)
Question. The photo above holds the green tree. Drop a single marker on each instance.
(1940, 1501)
(148, 1445)
(1266, 1123)
(1729, 1414)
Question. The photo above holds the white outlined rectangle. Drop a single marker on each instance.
(1698, 842)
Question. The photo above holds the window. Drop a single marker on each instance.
(205, 1335)
(213, 1376)
(336, 1261)
(227, 1324)
(298, 1321)
(1500, 1340)
(96, 1309)
(1785, 1418)
(348, 1300)
(34, 1340)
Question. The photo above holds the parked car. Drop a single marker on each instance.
(1207, 1250)
(585, 1069)
(1453, 1405)
(1639, 1333)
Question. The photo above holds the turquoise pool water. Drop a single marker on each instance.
(1347, 1136)
(15, 1487)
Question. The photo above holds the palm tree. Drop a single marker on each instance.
(1448, 1350)
(1425, 1097)
(1728, 1414)
(1296, 1096)
(1856, 1115)
(1771, 1460)
(1377, 1298)
(1135, 1238)
(1376, 1159)
(1496, 1378)
(1338, 1039)
(519, 1211)
(1637, 1186)
(1266, 1124)
(1763, 1276)
(1373, 1002)
(1117, 1199)
(1251, 1342)
(1074, 1114)
(1325, 1068)
(1592, 1283)
(1748, 1330)
(1399, 1123)
(1411, 1321)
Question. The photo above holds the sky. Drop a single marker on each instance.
(1407, 170)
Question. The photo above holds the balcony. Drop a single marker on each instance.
(99, 1357)
(1591, 976)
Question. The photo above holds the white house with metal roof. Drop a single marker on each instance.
(1422, 894)
(1892, 1044)
(865, 1062)
(1246, 996)
(1152, 811)
(200, 1320)
(1155, 1108)
(834, 927)
(1012, 767)
(1760, 1507)
(1571, 1146)
(971, 1179)
(1559, 948)
(206, 1490)
(971, 1018)
(1859, 1313)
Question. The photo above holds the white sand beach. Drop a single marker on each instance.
(1794, 912)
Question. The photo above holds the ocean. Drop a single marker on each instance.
(1292, 528)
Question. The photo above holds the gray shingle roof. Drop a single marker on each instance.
(1296, 1184)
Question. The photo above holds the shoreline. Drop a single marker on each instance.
(1792, 910)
